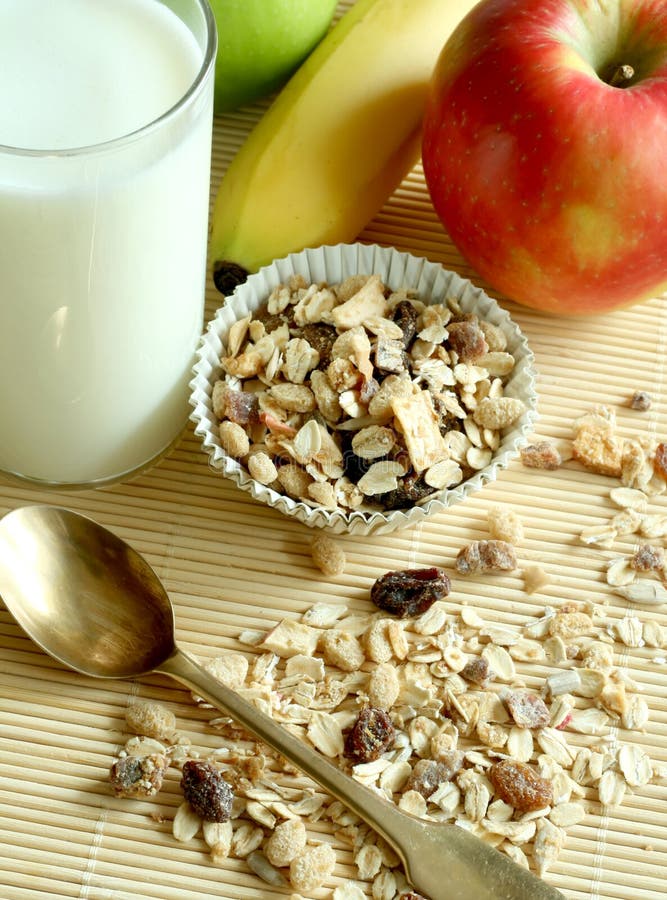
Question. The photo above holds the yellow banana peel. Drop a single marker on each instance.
(337, 140)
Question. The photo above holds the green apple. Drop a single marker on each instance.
(260, 44)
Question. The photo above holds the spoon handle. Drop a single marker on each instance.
(441, 861)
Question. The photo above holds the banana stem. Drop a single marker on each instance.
(227, 276)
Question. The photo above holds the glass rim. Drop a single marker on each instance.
(123, 139)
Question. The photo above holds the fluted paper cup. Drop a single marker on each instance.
(333, 264)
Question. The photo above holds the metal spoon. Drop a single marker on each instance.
(92, 602)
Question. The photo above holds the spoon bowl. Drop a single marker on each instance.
(93, 603)
(84, 595)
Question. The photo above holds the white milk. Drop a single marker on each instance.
(102, 253)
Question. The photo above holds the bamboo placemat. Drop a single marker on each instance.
(231, 564)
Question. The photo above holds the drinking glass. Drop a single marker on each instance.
(103, 244)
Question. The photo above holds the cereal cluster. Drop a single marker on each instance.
(356, 397)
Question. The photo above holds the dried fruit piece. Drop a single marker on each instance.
(138, 776)
(207, 792)
(520, 786)
(426, 776)
(478, 671)
(410, 592)
(405, 316)
(542, 455)
(370, 736)
(660, 461)
(467, 339)
(527, 710)
(410, 490)
(321, 337)
(648, 558)
(486, 556)
(640, 401)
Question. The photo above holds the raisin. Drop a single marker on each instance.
(641, 401)
(321, 337)
(527, 710)
(353, 466)
(370, 736)
(520, 786)
(411, 895)
(486, 556)
(410, 592)
(405, 316)
(541, 455)
(411, 489)
(426, 776)
(648, 558)
(206, 791)
(478, 671)
(467, 340)
(660, 461)
(447, 421)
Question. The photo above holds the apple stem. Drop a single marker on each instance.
(621, 75)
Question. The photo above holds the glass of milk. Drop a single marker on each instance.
(105, 146)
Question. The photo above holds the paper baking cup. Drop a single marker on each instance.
(333, 264)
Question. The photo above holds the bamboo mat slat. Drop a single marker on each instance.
(231, 564)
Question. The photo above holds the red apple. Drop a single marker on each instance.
(545, 149)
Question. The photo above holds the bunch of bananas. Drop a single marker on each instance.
(338, 139)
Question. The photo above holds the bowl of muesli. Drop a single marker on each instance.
(361, 389)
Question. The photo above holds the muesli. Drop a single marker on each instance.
(354, 396)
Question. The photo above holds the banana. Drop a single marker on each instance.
(337, 140)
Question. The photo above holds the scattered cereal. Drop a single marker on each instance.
(151, 719)
(328, 556)
(505, 525)
(286, 842)
(534, 578)
(311, 868)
